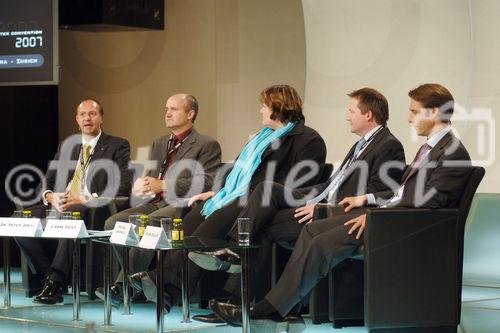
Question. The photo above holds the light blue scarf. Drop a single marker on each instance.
(238, 180)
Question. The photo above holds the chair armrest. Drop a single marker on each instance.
(389, 226)
(411, 266)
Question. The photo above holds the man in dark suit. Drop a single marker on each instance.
(435, 179)
(281, 221)
(176, 155)
(87, 166)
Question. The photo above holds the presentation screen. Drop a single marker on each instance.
(28, 42)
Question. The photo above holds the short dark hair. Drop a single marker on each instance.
(99, 105)
(192, 104)
(370, 99)
(284, 102)
(433, 95)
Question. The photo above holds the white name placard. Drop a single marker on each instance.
(65, 229)
(20, 227)
(154, 238)
(124, 234)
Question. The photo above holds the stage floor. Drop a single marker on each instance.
(480, 314)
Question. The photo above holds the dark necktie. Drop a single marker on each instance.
(170, 158)
(422, 153)
(418, 160)
(340, 177)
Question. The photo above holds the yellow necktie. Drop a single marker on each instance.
(76, 183)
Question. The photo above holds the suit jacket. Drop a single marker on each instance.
(440, 179)
(302, 143)
(110, 152)
(197, 150)
(384, 147)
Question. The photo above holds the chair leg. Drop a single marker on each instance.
(318, 302)
(348, 323)
(346, 294)
(31, 279)
(203, 304)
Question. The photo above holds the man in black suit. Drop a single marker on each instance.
(175, 155)
(87, 166)
(281, 221)
(435, 179)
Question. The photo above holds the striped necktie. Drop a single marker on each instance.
(415, 165)
(76, 186)
(358, 148)
(422, 153)
(335, 183)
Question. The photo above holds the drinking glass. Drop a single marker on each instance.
(243, 231)
(66, 216)
(134, 219)
(166, 224)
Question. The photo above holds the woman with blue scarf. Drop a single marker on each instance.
(270, 155)
(281, 144)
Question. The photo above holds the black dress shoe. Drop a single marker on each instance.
(136, 279)
(116, 296)
(51, 293)
(210, 318)
(232, 315)
(138, 298)
(227, 312)
(221, 260)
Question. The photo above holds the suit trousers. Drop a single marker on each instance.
(40, 253)
(321, 245)
(216, 225)
(271, 212)
(139, 259)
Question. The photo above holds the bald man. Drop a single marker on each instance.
(162, 187)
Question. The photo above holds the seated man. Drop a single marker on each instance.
(324, 243)
(284, 146)
(89, 152)
(281, 221)
(171, 179)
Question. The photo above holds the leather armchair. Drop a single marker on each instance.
(407, 277)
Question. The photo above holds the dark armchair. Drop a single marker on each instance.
(408, 275)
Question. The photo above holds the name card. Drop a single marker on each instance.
(154, 238)
(65, 229)
(124, 234)
(20, 227)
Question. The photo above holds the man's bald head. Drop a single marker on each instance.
(190, 103)
(91, 102)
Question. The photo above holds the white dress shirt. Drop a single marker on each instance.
(432, 142)
(92, 142)
(341, 173)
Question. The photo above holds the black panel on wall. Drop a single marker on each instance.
(109, 15)
(28, 134)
